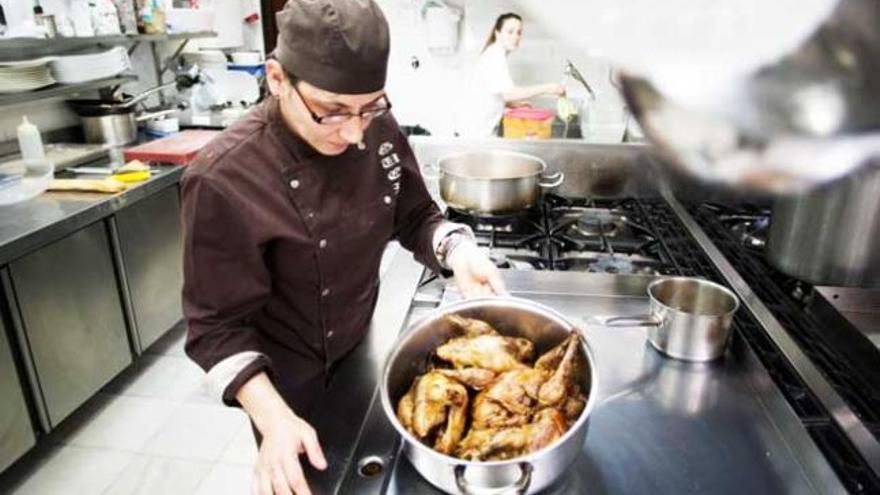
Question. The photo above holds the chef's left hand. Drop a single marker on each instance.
(475, 274)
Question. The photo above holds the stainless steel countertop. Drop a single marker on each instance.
(50, 216)
(661, 426)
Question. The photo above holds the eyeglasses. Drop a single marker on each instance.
(336, 118)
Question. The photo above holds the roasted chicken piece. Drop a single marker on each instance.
(475, 378)
(435, 405)
(510, 400)
(574, 404)
(435, 395)
(471, 326)
(492, 352)
(553, 392)
(550, 360)
(488, 413)
(406, 406)
(518, 390)
(448, 439)
(506, 443)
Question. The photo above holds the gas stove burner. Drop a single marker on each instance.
(612, 264)
(502, 219)
(570, 234)
(752, 232)
(599, 222)
(491, 227)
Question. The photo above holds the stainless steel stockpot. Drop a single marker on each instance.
(514, 317)
(690, 318)
(493, 182)
(831, 235)
(115, 122)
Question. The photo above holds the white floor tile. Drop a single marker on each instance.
(164, 377)
(227, 479)
(197, 431)
(78, 470)
(116, 422)
(151, 475)
(243, 448)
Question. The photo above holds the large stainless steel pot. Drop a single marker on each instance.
(493, 182)
(527, 474)
(830, 236)
(803, 119)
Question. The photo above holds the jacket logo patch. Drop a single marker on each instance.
(394, 174)
(385, 148)
(390, 161)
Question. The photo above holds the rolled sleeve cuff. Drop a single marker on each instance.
(227, 376)
(443, 230)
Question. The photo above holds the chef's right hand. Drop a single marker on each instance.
(285, 437)
(278, 470)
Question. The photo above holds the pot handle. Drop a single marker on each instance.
(519, 487)
(624, 321)
(430, 171)
(153, 115)
(555, 180)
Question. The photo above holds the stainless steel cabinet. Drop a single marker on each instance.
(72, 316)
(16, 432)
(151, 242)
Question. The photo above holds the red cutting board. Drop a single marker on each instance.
(180, 148)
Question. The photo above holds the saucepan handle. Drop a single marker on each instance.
(153, 115)
(555, 180)
(624, 321)
(519, 487)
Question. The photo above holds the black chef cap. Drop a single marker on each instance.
(336, 45)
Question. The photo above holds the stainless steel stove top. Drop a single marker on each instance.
(763, 419)
(660, 425)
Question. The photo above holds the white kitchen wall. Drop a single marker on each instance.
(46, 116)
(430, 95)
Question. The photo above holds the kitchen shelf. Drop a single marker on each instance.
(174, 36)
(24, 48)
(63, 90)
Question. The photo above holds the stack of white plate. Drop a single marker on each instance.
(24, 76)
(89, 67)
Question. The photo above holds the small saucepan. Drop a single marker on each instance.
(690, 318)
(115, 122)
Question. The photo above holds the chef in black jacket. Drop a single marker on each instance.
(286, 216)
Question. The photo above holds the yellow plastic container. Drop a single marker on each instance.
(528, 123)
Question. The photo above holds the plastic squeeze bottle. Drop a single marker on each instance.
(29, 141)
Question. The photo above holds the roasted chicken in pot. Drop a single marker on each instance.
(492, 352)
(496, 444)
(435, 407)
(484, 401)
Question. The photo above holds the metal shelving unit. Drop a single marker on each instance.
(24, 48)
(63, 90)
(30, 48)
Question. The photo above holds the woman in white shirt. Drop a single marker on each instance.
(493, 89)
